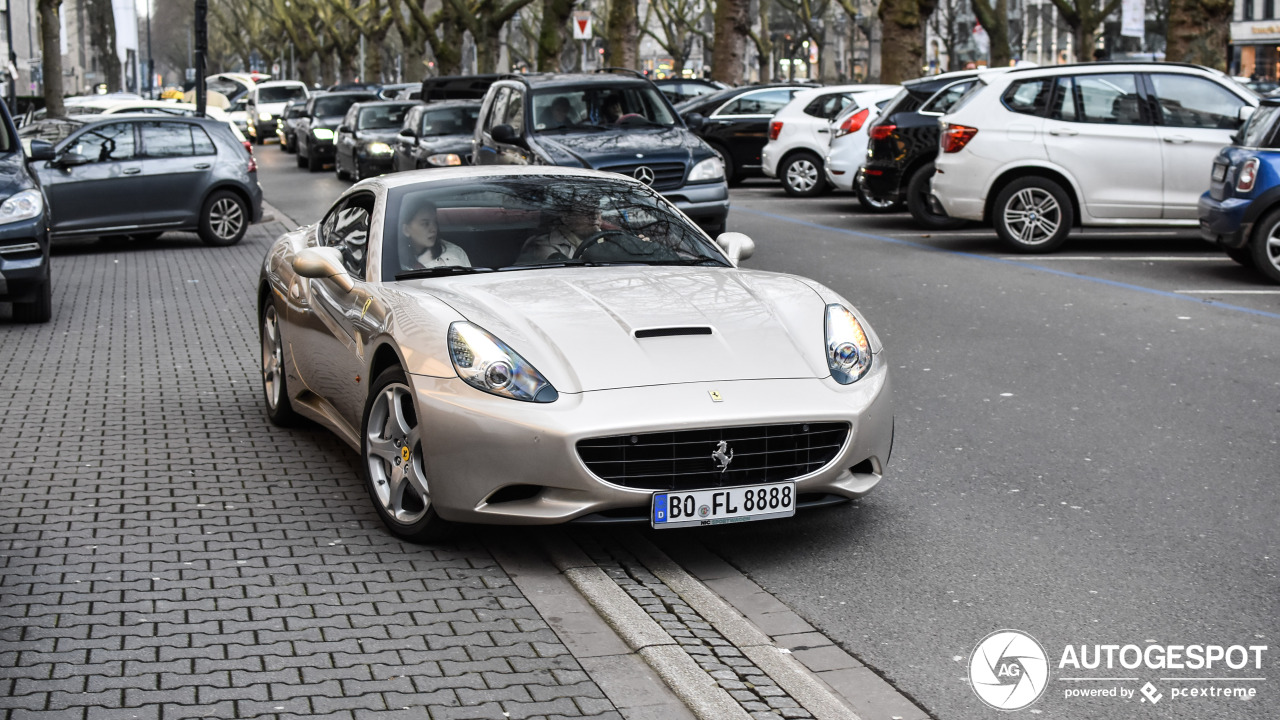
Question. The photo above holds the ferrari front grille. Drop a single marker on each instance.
(716, 457)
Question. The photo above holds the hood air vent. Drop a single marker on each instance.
(671, 331)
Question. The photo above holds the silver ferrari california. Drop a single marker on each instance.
(541, 345)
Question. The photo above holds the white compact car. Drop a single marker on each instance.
(848, 151)
(266, 104)
(800, 133)
(1036, 152)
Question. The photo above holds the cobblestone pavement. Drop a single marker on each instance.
(165, 553)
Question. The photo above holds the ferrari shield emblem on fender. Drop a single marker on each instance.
(715, 396)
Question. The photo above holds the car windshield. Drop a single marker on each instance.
(52, 131)
(526, 222)
(382, 117)
(1256, 132)
(281, 93)
(599, 107)
(338, 105)
(450, 121)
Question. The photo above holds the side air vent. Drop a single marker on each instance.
(672, 331)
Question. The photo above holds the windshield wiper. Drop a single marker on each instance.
(438, 271)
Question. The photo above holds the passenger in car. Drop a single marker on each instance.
(420, 239)
(563, 238)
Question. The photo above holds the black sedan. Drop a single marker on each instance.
(436, 135)
(287, 125)
(735, 123)
(363, 145)
(319, 125)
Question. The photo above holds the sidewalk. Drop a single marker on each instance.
(166, 553)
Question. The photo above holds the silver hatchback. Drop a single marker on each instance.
(142, 175)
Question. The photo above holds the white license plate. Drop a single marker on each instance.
(723, 505)
(1219, 172)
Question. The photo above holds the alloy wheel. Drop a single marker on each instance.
(226, 218)
(802, 175)
(1033, 216)
(1272, 248)
(272, 357)
(393, 453)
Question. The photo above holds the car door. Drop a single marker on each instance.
(406, 141)
(331, 354)
(177, 165)
(513, 116)
(105, 191)
(487, 152)
(742, 124)
(1099, 131)
(1197, 117)
(823, 109)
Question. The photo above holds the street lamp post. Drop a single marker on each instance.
(151, 61)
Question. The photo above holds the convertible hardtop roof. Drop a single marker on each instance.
(396, 180)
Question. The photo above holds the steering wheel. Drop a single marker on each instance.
(629, 116)
(594, 239)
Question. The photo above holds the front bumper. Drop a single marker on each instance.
(24, 260)
(374, 164)
(480, 443)
(322, 149)
(702, 202)
(1222, 221)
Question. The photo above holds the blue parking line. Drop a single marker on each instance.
(1018, 263)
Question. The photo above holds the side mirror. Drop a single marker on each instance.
(737, 246)
(504, 134)
(40, 150)
(323, 262)
(407, 132)
(70, 160)
(344, 128)
(1246, 112)
(695, 121)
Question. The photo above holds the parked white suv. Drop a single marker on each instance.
(848, 150)
(1037, 151)
(800, 133)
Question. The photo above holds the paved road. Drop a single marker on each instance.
(1086, 450)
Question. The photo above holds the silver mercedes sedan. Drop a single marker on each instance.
(540, 345)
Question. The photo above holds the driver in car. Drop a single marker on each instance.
(564, 237)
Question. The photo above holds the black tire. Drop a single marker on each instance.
(290, 145)
(802, 176)
(300, 159)
(918, 203)
(284, 146)
(873, 205)
(224, 219)
(259, 140)
(1050, 216)
(314, 164)
(731, 175)
(337, 169)
(396, 494)
(275, 389)
(1243, 255)
(39, 310)
(1265, 246)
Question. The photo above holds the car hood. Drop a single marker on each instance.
(447, 143)
(272, 108)
(616, 147)
(578, 326)
(380, 135)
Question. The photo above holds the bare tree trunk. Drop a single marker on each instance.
(995, 20)
(622, 33)
(902, 47)
(764, 44)
(551, 36)
(51, 56)
(102, 38)
(732, 28)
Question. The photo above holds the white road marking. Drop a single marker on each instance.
(1228, 292)
(1143, 258)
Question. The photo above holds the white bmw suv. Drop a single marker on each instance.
(1038, 151)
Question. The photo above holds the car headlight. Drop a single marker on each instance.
(378, 148)
(709, 169)
(322, 133)
(444, 159)
(264, 116)
(486, 363)
(22, 206)
(848, 350)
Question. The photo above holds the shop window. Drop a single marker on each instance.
(1268, 9)
(1248, 9)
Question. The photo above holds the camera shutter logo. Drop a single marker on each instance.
(1008, 670)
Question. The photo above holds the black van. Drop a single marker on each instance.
(605, 121)
(24, 228)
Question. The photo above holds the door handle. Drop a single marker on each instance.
(132, 171)
(1063, 132)
(824, 130)
(1177, 140)
(203, 166)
